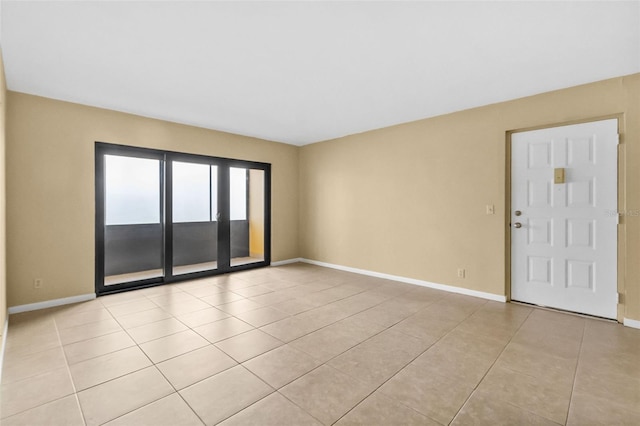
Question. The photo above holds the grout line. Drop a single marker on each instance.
(182, 397)
(359, 312)
(61, 347)
(413, 359)
(254, 402)
(296, 404)
(136, 344)
(367, 339)
(475, 388)
(292, 276)
(95, 356)
(575, 371)
(73, 384)
(324, 363)
(67, 366)
(155, 365)
(534, 308)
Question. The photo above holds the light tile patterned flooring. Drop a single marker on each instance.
(304, 345)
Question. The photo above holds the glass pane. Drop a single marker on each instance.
(195, 229)
(133, 232)
(214, 193)
(247, 230)
(238, 194)
(191, 192)
(132, 188)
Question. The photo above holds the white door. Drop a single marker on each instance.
(564, 235)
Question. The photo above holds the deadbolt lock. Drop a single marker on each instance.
(518, 213)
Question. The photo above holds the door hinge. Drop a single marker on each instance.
(619, 298)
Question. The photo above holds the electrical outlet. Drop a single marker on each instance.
(461, 273)
(38, 283)
(491, 209)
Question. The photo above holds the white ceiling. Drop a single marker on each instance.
(302, 72)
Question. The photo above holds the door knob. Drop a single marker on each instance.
(517, 225)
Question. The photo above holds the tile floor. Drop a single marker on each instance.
(304, 345)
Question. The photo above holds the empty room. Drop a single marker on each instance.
(319, 213)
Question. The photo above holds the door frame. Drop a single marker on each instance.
(224, 223)
(621, 255)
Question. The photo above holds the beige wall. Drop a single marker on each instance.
(410, 200)
(50, 196)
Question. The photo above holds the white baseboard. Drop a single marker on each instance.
(4, 344)
(286, 262)
(51, 303)
(444, 287)
(631, 323)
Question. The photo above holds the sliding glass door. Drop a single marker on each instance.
(194, 217)
(132, 228)
(166, 216)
